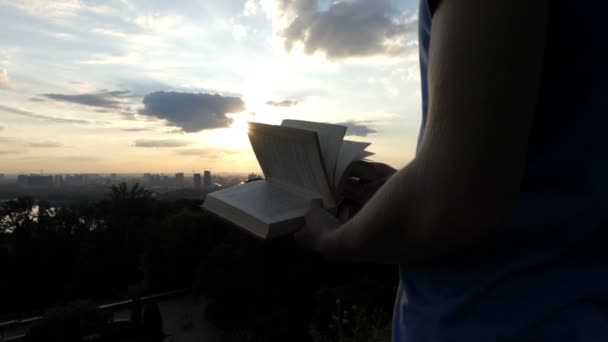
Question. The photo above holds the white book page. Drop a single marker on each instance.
(292, 158)
(330, 139)
(349, 152)
(266, 201)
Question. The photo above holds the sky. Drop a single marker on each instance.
(169, 86)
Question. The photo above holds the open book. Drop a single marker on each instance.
(302, 162)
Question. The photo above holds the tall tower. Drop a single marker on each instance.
(207, 179)
(179, 179)
(197, 180)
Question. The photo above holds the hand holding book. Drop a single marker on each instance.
(302, 162)
(364, 179)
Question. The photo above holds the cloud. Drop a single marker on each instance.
(357, 128)
(192, 112)
(41, 117)
(46, 144)
(137, 129)
(104, 99)
(1, 128)
(358, 28)
(5, 82)
(250, 8)
(210, 154)
(239, 32)
(12, 151)
(56, 8)
(284, 103)
(150, 143)
(79, 159)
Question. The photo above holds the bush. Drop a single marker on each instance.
(355, 324)
(69, 323)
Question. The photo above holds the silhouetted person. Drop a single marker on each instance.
(499, 222)
(153, 322)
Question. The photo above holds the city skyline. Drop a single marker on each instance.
(147, 86)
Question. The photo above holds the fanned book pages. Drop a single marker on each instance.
(302, 162)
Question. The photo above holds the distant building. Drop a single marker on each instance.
(207, 179)
(22, 180)
(38, 181)
(1, 177)
(58, 180)
(75, 180)
(197, 180)
(179, 179)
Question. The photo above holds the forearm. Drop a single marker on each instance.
(386, 228)
(414, 218)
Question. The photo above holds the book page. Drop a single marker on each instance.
(330, 139)
(291, 157)
(349, 152)
(266, 201)
(259, 206)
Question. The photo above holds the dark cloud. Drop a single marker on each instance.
(41, 117)
(36, 99)
(346, 29)
(46, 144)
(137, 129)
(284, 103)
(357, 128)
(162, 143)
(103, 99)
(192, 112)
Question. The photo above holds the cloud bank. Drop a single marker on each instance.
(152, 143)
(357, 28)
(104, 99)
(192, 112)
(357, 128)
(41, 117)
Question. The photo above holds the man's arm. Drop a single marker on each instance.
(484, 71)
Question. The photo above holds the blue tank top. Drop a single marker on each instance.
(547, 277)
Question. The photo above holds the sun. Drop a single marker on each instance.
(233, 137)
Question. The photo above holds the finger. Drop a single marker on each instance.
(315, 204)
(355, 192)
(369, 171)
(362, 170)
(344, 213)
(315, 215)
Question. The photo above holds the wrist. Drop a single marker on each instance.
(338, 244)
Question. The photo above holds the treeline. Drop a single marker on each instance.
(131, 244)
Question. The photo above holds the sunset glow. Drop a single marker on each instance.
(141, 86)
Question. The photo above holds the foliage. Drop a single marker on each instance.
(355, 324)
(94, 250)
(68, 323)
(131, 243)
